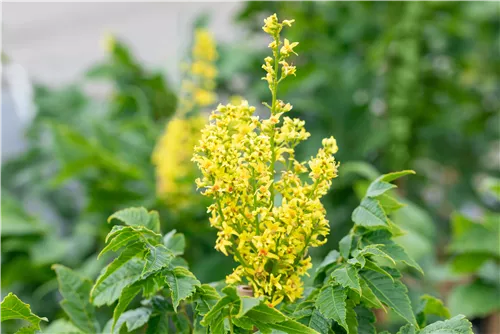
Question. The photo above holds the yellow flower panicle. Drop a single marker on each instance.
(172, 155)
(266, 215)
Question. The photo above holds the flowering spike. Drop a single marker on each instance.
(239, 155)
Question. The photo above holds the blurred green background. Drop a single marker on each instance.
(401, 85)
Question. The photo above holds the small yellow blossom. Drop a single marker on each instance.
(175, 172)
(238, 155)
(287, 48)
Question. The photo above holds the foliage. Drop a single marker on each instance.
(84, 159)
(474, 245)
(12, 308)
(350, 283)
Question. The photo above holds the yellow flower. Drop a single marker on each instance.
(287, 48)
(175, 172)
(238, 155)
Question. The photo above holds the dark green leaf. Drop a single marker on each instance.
(369, 214)
(392, 293)
(182, 284)
(76, 303)
(331, 303)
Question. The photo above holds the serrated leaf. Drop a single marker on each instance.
(138, 217)
(376, 250)
(292, 327)
(243, 322)
(331, 303)
(366, 320)
(176, 242)
(126, 297)
(319, 323)
(456, 325)
(398, 254)
(368, 297)
(133, 319)
(265, 314)
(13, 308)
(124, 236)
(157, 258)
(369, 214)
(247, 303)
(381, 184)
(378, 187)
(216, 311)
(392, 293)
(407, 329)
(347, 276)
(76, 303)
(123, 271)
(351, 319)
(389, 203)
(345, 246)
(206, 298)
(182, 284)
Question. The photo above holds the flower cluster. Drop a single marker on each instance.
(173, 152)
(266, 214)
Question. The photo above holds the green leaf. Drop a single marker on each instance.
(331, 303)
(206, 298)
(378, 187)
(292, 327)
(76, 303)
(381, 184)
(366, 320)
(395, 175)
(474, 300)
(13, 308)
(407, 329)
(345, 246)
(158, 324)
(213, 316)
(176, 242)
(138, 217)
(319, 323)
(182, 284)
(133, 319)
(432, 305)
(347, 276)
(243, 322)
(122, 236)
(368, 297)
(376, 250)
(456, 325)
(369, 214)
(122, 272)
(265, 314)
(389, 203)
(351, 319)
(398, 254)
(393, 293)
(157, 258)
(247, 303)
(126, 297)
